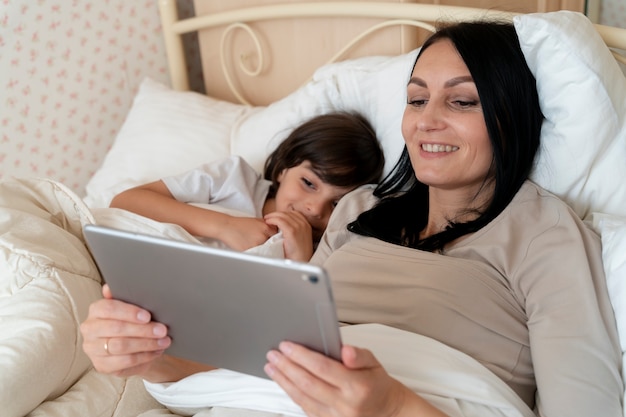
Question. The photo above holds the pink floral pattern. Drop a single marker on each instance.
(69, 70)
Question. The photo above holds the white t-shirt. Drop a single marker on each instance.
(231, 186)
(229, 183)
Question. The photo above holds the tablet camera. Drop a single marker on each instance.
(313, 279)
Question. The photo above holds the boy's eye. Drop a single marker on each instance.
(307, 183)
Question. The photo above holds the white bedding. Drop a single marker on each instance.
(125, 220)
(47, 281)
(449, 379)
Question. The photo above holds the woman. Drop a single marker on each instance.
(461, 248)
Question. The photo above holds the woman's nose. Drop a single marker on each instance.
(430, 118)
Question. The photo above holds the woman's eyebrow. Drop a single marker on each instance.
(458, 80)
(450, 83)
(417, 81)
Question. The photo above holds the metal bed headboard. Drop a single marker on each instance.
(420, 15)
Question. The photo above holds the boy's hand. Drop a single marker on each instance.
(242, 233)
(297, 234)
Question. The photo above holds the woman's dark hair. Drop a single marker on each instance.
(510, 103)
(341, 147)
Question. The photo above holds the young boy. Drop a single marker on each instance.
(304, 178)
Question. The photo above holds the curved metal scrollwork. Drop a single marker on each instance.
(243, 59)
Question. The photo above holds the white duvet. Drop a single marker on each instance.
(454, 382)
(48, 279)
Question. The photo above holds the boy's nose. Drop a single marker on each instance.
(314, 208)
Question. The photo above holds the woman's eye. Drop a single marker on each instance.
(417, 102)
(464, 104)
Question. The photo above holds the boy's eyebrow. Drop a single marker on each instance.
(450, 83)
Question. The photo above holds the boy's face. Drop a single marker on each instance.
(301, 190)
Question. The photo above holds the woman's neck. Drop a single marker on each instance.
(445, 206)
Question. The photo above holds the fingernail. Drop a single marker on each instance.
(159, 330)
(272, 356)
(269, 370)
(165, 342)
(285, 347)
(143, 316)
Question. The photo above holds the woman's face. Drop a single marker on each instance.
(443, 124)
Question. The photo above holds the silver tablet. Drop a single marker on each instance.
(222, 308)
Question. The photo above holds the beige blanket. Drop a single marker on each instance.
(47, 282)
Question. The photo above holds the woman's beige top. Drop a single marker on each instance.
(525, 296)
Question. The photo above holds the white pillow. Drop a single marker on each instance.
(373, 86)
(166, 132)
(613, 232)
(582, 92)
(583, 97)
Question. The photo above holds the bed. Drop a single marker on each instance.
(47, 274)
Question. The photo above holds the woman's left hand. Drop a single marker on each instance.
(325, 387)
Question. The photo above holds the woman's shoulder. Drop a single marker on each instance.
(532, 213)
(540, 204)
(533, 191)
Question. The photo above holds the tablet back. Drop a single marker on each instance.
(223, 308)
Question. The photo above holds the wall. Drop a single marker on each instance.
(613, 13)
(68, 72)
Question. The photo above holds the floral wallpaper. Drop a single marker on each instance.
(68, 72)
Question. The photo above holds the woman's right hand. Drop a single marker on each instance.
(120, 339)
